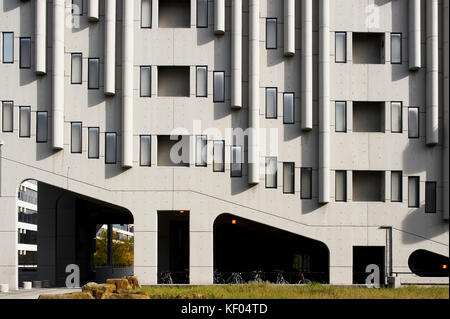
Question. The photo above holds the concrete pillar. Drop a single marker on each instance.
(415, 60)
(432, 87)
(93, 10)
(324, 101)
(219, 17)
(201, 269)
(8, 238)
(41, 37)
(307, 66)
(236, 55)
(127, 83)
(58, 74)
(110, 245)
(289, 27)
(110, 47)
(253, 139)
(446, 109)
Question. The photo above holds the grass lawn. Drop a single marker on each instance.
(314, 291)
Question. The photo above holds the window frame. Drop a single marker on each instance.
(20, 54)
(3, 47)
(205, 164)
(276, 33)
(223, 156)
(71, 137)
(98, 142)
(345, 186)
(345, 46)
(37, 127)
(276, 103)
(293, 108)
(207, 14)
(115, 148)
(418, 123)
(267, 159)
(140, 150)
(214, 85)
(292, 164)
(20, 121)
(417, 185)
(401, 187)
(401, 117)
(89, 74)
(71, 68)
(232, 147)
(3, 116)
(151, 16)
(401, 47)
(345, 116)
(140, 81)
(81, 9)
(310, 182)
(196, 81)
(434, 199)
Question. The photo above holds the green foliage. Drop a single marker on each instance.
(123, 250)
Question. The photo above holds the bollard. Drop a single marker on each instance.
(26, 285)
(37, 284)
(4, 288)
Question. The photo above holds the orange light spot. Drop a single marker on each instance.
(234, 222)
(444, 266)
(182, 212)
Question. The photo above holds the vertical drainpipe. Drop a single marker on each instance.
(236, 55)
(324, 102)
(289, 27)
(253, 145)
(432, 87)
(414, 35)
(93, 10)
(127, 83)
(307, 67)
(219, 17)
(41, 37)
(446, 109)
(110, 47)
(58, 74)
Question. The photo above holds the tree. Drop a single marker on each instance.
(123, 250)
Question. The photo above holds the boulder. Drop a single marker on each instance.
(75, 295)
(134, 282)
(97, 290)
(125, 296)
(120, 284)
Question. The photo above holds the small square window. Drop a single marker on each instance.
(219, 156)
(413, 122)
(236, 161)
(76, 68)
(202, 81)
(289, 178)
(340, 186)
(271, 33)
(25, 53)
(7, 116)
(76, 137)
(341, 47)
(396, 186)
(306, 183)
(396, 48)
(24, 121)
(271, 103)
(202, 13)
(341, 117)
(94, 73)
(93, 142)
(146, 14)
(41, 127)
(219, 87)
(271, 172)
(201, 150)
(8, 47)
(146, 150)
(110, 148)
(413, 191)
(396, 117)
(288, 108)
(77, 7)
(146, 81)
(430, 197)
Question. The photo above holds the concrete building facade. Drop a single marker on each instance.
(344, 104)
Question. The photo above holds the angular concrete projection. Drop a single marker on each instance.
(254, 59)
(307, 66)
(289, 27)
(93, 10)
(324, 101)
(41, 37)
(432, 126)
(414, 35)
(58, 74)
(236, 55)
(219, 17)
(446, 159)
(110, 47)
(127, 83)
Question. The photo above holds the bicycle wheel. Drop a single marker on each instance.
(305, 282)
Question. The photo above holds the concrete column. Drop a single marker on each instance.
(41, 37)
(324, 101)
(307, 66)
(93, 10)
(236, 55)
(219, 17)
(289, 27)
(201, 268)
(446, 109)
(127, 83)
(58, 74)
(253, 139)
(414, 35)
(110, 245)
(8, 238)
(110, 47)
(432, 73)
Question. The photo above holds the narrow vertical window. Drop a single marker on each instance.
(396, 117)
(236, 161)
(110, 148)
(7, 116)
(25, 53)
(76, 68)
(76, 137)
(341, 47)
(413, 122)
(146, 14)
(430, 197)
(396, 48)
(271, 103)
(202, 81)
(219, 87)
(77, 7)
(289, 178)
(24, 121)
(93, 73)
(202, 13)
(201, 150)
(146, 79)
(340, 193)
(271, 33)
(341, 117)
(306, 183)
(41, 127)
(146, 150)
(288, 108)
(8, 47)
(413, 191)
(93, 142)
(219, 156)
(396, 186)
(271, 172)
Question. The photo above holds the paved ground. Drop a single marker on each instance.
(35, 293)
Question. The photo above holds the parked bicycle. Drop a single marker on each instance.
(235, 278)
(257, 276)
(303, 280)
(218, 280)
(280, 278)
(166, 278)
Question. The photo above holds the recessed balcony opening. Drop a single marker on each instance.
(368, 186)
(173, 81)
(368, 117)
(175, 14)
(368, 48)
(173, 150)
